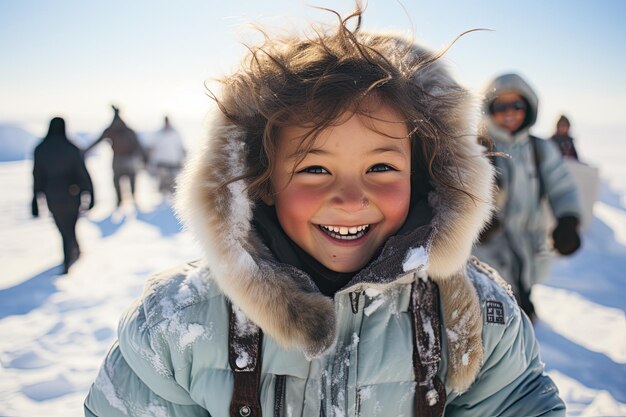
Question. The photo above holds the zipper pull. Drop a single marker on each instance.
(354, 301)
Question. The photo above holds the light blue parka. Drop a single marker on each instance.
(520, 248)
(350, 355)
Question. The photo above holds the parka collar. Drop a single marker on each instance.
(502, 135)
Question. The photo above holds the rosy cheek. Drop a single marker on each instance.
(296, 206)
(393, 200)
(303, 198)
(397, 193)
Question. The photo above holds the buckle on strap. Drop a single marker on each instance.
(244, 357)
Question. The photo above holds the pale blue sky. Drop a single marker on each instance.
(74, 57)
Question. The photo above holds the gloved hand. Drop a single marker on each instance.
(565, 235)
(34, 207)
(490, 229)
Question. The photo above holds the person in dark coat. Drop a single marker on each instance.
(563, 140)
(126, 150)
(59, 172)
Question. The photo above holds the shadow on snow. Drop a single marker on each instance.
(162, 217)
(30, 294)
(109, 225)
(592, 369)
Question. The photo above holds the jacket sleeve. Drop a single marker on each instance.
(39, 182)
(511, 381)
(39, 179)
(137, 378)
(102, 137)
(559, 185)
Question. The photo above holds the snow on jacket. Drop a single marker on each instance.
(520, 247)
(323, 356)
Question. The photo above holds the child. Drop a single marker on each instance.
(336, 200)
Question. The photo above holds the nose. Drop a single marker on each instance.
(349, 195)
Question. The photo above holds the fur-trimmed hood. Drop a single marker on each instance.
(515, 84)
(283, 301)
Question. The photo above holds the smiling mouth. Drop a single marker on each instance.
(345, 233)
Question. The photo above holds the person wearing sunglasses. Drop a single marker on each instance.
(517, 242)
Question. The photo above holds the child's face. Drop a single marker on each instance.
(351, 191)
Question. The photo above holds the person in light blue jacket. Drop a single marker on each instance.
(336, 200)
(530, 172)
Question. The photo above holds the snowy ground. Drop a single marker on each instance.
(56, 329)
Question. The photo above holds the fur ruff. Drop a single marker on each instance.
(297, 315)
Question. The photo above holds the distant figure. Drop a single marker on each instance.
(126, 152)
(167, 156)
(59, 172)
(563, 140)
(515, 242)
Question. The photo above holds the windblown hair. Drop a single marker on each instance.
(313, 81)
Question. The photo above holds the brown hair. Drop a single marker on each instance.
(313, 81)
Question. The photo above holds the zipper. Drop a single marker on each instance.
(339, 382)
(280, 391)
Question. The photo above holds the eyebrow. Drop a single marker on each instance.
(379, 150)
(384, 149)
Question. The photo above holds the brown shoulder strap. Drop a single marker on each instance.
(245, 341)
(244, 356)
(430, 393)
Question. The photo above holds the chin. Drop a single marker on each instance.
(345, 267)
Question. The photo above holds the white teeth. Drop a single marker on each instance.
(346, 233)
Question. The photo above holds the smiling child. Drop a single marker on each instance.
(336, 200)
